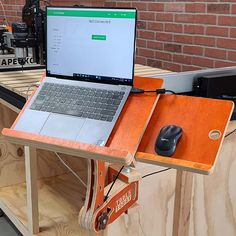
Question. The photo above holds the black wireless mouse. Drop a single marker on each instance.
(167, 140)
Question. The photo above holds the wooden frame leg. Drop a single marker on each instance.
(183, 201)
(32, 189)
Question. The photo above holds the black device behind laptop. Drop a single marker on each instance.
(219, 86)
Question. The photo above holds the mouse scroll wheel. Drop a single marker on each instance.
(164, 140)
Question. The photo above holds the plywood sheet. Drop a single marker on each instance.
(60, 199)
(12, 157)
(213, 209)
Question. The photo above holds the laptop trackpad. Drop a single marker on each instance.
(95, 132)
(61, 126)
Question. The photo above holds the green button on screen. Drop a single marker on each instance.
(99, 37)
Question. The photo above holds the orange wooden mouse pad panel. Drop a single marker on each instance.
(125, 137)
(197, 117)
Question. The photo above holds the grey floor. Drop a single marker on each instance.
(7, 228)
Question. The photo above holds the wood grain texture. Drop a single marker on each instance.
(135, 116)
(123, 141)
(10, 106)
(214, 198)
(11, 160)
(12, 157)
(213, 201)
(20, 82)
(147, 71)
(128, 175)
(154, 215)
(173, 163)
(183, 200)
(213, 207)
(127, 225)
(213, 211)
(31, 189)
(197, 117)
(60, 199)
(68, 147)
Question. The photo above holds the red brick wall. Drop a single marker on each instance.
(178, 35)
(73, 2)
(182, 35)
(12, 9)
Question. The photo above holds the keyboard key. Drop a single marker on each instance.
(109, 118)
(97, 116)
(117, 96)
(109, 113)
(91, 116)
(104, 118)
(85, 115)
(116, 102)
(79, 102)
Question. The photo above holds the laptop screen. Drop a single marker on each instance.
(91, 44)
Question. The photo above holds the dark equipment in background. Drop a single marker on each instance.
(219, 86)
(34, 17)
(28, 37)
(3, 47)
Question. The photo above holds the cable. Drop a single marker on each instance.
(29, 87)
(157, 91)
(157, 172)
(4, 13)
(139, 221)
(160, 91)
(230, 133)
(106, 197)
(69, 168)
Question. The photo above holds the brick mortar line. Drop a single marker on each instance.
(187, 13)
(188, 34)
(183, 63)
(192, 45)
(171, 53)
(197, 45)
(184, 23)
(193, 56)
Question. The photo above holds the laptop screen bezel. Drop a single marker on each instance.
(129, 82)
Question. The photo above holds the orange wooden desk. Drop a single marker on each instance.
(193, 114)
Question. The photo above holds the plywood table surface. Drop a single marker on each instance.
(22, 82)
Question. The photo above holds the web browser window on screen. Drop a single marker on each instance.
(98, 42)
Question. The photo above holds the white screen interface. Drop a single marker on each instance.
(87, 42)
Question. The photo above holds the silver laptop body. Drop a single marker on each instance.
(90, 52)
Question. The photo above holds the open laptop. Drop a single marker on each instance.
(89, 74)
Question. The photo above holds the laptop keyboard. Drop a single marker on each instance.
(97, 104)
